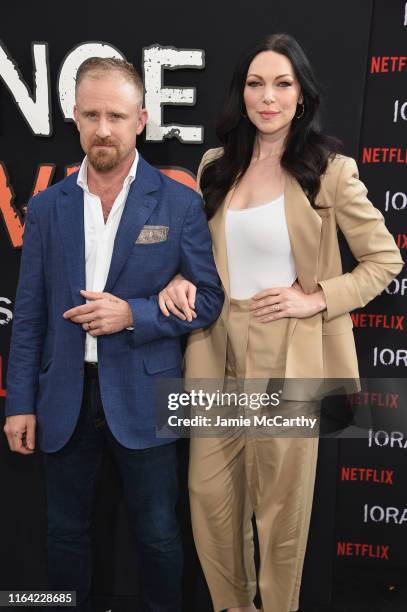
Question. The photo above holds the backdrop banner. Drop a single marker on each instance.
(186, 53)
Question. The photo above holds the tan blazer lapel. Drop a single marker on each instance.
(217, 228)
(304, 228)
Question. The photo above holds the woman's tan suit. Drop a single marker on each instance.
(327, 336)
(232, 477)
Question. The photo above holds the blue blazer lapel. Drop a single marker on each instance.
(71, 227)
(140, 203)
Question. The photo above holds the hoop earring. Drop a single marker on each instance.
(302, 111)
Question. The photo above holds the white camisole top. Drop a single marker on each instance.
(258, 249)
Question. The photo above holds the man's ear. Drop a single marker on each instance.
(76, 117)
(142, 120)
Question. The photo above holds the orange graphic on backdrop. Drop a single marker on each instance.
(44, 176)
(180, 175)
(12, 219)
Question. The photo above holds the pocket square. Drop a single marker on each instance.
(152, 233)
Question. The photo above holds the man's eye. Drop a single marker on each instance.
(116, 116)
(90, 115)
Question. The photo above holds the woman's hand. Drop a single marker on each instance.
(281, 302)
(178, 297)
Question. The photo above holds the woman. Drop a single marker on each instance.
(275, 193)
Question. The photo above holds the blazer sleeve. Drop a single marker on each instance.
(29, 323)
(196, 264)
(371, 243)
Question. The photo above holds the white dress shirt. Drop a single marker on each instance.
(99, 238)
(258, 249)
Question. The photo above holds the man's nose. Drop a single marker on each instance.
(103, 130)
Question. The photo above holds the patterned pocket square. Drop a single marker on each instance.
(153, 233)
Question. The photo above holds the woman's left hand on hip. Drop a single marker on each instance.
(282, 302)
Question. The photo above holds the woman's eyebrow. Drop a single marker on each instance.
(277, 77)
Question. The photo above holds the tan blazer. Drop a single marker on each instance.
(321, 346)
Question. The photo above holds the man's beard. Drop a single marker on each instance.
(104, 160)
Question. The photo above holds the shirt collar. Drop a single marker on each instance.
(82, 180)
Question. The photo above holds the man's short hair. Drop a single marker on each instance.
(98, 66)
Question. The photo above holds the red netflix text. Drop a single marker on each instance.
(384, 155)
(372, 551)
(378, 320)
(362, 474)
(388, 63)
(369, 398)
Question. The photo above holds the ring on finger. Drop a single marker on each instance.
(275, 307)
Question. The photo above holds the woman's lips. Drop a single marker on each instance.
(268, 114)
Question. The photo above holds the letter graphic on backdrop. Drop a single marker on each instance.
(397, 200)
(155, 60)
(400, 111)
(34, 107)
(5, 312)
(69, 67)
(388, 357)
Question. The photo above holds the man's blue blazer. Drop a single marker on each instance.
(46, 362)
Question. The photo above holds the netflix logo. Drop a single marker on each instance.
(362, 474)
(378, 320)
(371, 551)
(388, 63)
(384, 155)
(371, 398)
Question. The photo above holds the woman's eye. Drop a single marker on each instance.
(253, 83)
(284, 84)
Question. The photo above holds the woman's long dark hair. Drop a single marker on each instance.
(307, 150)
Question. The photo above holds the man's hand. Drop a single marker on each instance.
(20, 432)
(281, 302)
(178, 297)
(103, 314)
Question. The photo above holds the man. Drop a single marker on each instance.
(89, 341)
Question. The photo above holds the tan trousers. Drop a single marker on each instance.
(233, 476)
